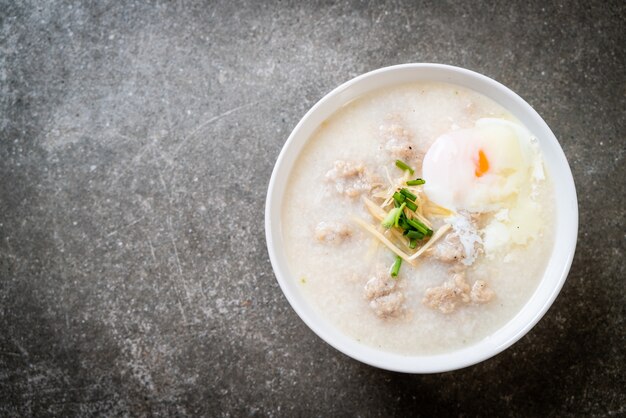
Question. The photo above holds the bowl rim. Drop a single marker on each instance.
(491, 345)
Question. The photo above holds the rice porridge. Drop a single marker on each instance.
(418, 219)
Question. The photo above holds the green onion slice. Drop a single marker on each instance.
(390, 219)
(410, 205)
(397, 218)
(404, 166)
(414, 235)
(399, 197)
(419, 226)
(402, 222)
(408, 194)
(396, 266)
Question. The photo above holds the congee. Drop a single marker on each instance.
(418, 219)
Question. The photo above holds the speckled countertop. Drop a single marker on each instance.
(136, 145)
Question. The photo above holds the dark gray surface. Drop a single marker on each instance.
(136, 144)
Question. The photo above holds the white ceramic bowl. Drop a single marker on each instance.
(565, 229)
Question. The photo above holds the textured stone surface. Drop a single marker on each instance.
(136, 145)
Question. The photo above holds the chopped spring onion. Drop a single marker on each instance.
(408, 194)
(420, 226)
(393, 216)
(404, 166)
(399, 197)
(402, 222)
(397, 218)
(390, 219)
(416, 182)
(423, 220)
(412, 243)
(410, 204)
(414, 235)
(396, 266)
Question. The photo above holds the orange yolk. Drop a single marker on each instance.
(482, 165)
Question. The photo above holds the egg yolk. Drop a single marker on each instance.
(482, 165)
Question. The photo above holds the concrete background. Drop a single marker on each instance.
(136, 144)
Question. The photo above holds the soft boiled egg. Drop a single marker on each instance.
(492, 167)
(480, 169)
